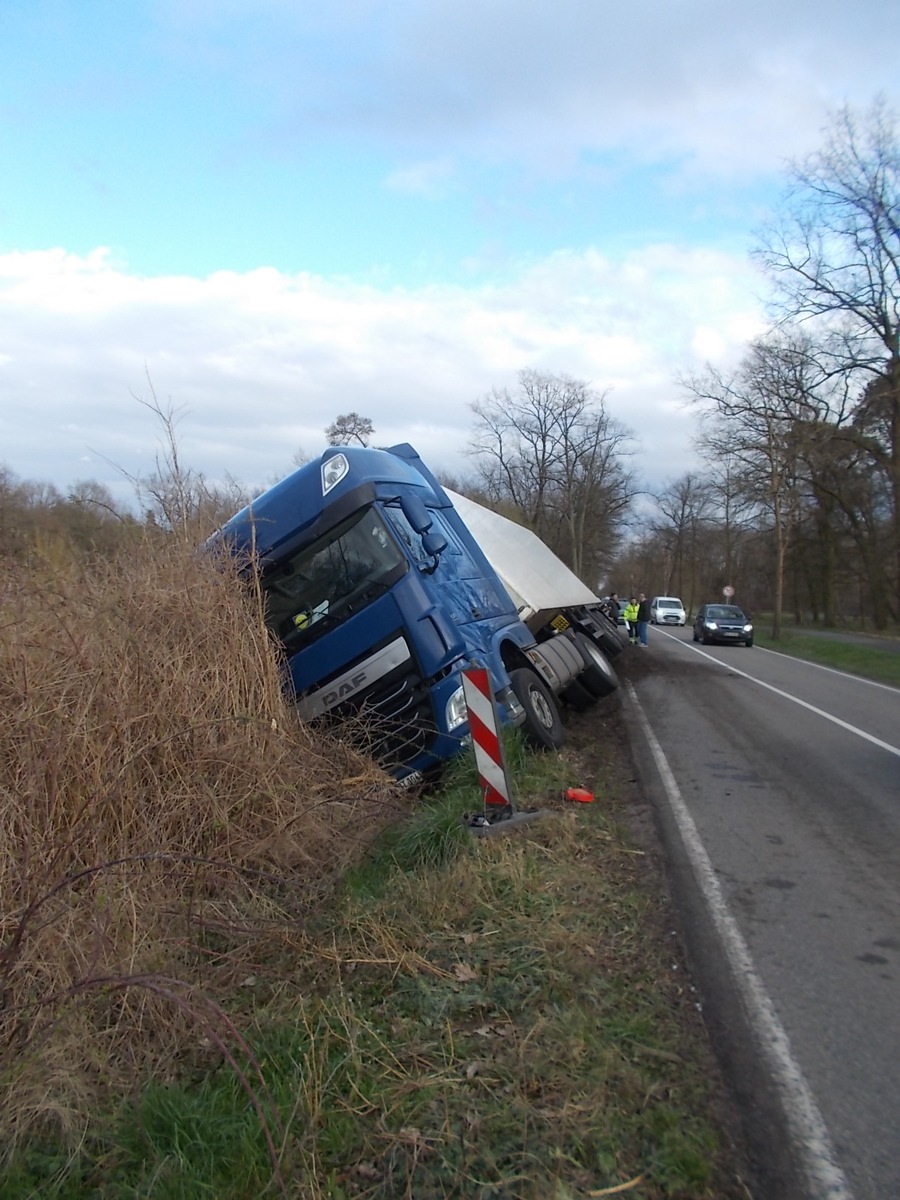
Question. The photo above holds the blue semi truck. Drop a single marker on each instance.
(380, 596)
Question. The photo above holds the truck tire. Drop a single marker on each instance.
(577, 696)
(598, 677)
(611, 643)
(542, 725)
(608, 636)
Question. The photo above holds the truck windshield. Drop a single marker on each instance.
(335, 576)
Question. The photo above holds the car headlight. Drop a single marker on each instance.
(456, 712)
(711, 625)
(748, 628)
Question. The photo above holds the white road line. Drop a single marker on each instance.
(824, 1178)
(803, 704)
(821, 667)
(806, 662)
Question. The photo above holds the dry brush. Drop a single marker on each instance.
(165, 820)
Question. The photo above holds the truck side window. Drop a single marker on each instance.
(441, 526)
(405, 531)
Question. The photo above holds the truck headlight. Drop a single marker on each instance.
(456, 712)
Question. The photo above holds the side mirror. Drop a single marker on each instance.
(416, 513)
(434, 544)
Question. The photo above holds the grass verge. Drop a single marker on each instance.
(492, 1018)
(868, 661)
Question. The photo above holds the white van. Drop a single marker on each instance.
(667, 610)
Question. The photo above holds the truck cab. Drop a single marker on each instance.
(379, 597)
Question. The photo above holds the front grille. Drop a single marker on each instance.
(392, 720)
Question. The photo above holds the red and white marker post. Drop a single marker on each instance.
(493, 776)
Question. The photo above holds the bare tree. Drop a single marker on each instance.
(685, 506)
(519, 436)
(349, 428)
(758, 421)
(734, 513)
(834, 254)
(175, 497)
(551, 453)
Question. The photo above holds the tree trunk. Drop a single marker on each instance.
(780, 549)
(894, 402)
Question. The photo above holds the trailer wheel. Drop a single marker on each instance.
(611, 642)
(608, 636)
(598, 677)
(577, 696)
(542, 725)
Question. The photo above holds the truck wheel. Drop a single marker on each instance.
(598, 677)
(611, 642)
(577, 696)
(609, 637)
(543, 725)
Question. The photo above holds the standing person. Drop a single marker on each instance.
(630, 613)
(614, 606)
(643, 620)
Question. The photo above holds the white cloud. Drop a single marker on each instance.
(259, 363)
(244, 132)
(725, 89)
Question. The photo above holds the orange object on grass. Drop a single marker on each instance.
(580, 795)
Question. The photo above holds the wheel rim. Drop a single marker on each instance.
(541, 708)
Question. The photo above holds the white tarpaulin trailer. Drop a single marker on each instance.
(538, 582)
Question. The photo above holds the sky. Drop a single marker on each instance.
(261, 214)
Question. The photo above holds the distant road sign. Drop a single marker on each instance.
(728, 591)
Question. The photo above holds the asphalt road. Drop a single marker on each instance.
(777, 787)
